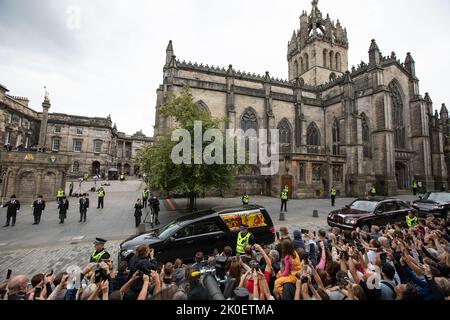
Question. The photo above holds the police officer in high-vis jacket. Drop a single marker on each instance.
(101, 198)
(245, 199)
(244, 239)
(100, 253)
(411, 220)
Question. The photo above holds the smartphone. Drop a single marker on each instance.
(383, 257)
(37, 292)
(8, 274)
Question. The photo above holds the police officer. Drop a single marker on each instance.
(245, 199)
(284, 199)
(84, 206)
(414, 187)
(244, 239)
(38, 206)
(70, 188)
(333, 194)
(13, 209)
(100, 253)
(373, 191)
(101, 198)
(63, 206)
(59, 195)
(86, 177)
(411, 220)
(145, 197)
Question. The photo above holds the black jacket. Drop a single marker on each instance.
(38, 208)
(63, 207)
(84, 205)
(138, 210)
(155, 204)
(12, 207)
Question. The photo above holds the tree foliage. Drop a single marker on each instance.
(163, 174)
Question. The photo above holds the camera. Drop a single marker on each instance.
(255, 266)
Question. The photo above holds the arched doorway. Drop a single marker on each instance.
(401, 173)
(96, 168)
(127, 169)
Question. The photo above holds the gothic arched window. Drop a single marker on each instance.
(296, 68)
(285, 131)
(325, 58)
(306, 57)
(249, 120)
(331, 59)
(302, 66)
(338, 65)
(313, 138)
(336, 138)
(365, 136)
(397, 116)
(203, 107)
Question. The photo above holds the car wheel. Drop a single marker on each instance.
(366, 228)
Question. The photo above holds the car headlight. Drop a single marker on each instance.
(126, 253)
(350, 221)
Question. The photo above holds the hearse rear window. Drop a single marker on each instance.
(253, 219)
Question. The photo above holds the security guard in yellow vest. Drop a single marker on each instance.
(145, 195)
(414, 187)
(373, 191)
(100, 253)
(244, 239)
(245, 199)
(333, 194)
(411, 220)
(59, 195)
(284, 199)
(101, 198)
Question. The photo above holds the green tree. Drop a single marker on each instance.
(190, 179)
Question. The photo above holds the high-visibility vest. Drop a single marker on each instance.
(333, 192)
(101, 194)
(145, 194)
(242, 242)
(412, 222)
(60, 194)
(373, 190)
(284, 195)
(414, 185)
(245, 199)
(96, 257)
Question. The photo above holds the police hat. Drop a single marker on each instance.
(100, 241)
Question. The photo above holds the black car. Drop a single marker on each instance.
(436, 203)
(364, 213)
(202, 231)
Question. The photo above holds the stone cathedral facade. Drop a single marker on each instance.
(347, 128)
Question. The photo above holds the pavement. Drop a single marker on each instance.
(29, 249)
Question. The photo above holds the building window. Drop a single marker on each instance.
(306, 62)
(337, 173)
(27, 142)
(316, 170)
(397, 115)
(76, 167)
(249, 121)
(301, 172)
(56, 144)
(325, 56)
(57, 129)
(77, 145)
(98, 146)
(336, 138)
(313, 138)
(79, 131)
(8, 137)
(9, 118)
(98, 132)
(19, 141)
(365, 137)
(285, 132)
(26, 124)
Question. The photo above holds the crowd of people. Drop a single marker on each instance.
(391, 263)
(21, 148)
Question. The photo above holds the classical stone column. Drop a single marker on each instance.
(44, 122)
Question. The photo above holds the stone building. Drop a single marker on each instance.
(74, 146)
(347, 128)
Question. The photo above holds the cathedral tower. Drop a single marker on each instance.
(318, 51)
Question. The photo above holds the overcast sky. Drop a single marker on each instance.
(110, 59)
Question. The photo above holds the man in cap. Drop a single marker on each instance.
(244, 239)
(13, 209)
(100, 253)
(38, 207)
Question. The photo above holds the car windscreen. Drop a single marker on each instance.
(437, 197)
(252, 218)
(168, 230)
(366, 206)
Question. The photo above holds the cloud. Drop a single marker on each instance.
(111, 61)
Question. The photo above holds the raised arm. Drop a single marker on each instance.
(144, 291)
(265, 257)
